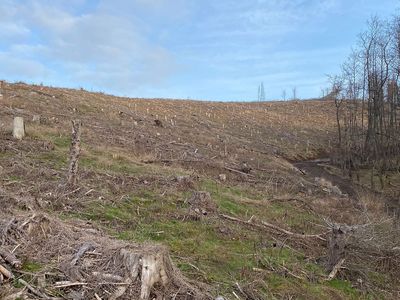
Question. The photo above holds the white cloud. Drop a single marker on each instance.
(14, 66)
(97, 48)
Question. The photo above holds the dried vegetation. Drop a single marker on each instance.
(184, 200)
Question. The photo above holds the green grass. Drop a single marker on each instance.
(30, 266)
(345, 287)
(201, 249)
(14, 178)
(118, 165)
(203, 252)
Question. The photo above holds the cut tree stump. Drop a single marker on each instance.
(74, 152)
(336, 247)
(18, 128)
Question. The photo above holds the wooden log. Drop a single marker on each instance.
(335, 269)
(6, 272)
(10, 258)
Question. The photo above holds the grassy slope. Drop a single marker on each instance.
(133, 200)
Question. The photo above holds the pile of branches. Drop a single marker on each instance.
(78, 262)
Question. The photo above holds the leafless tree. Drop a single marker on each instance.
(294, 93)
(367, 101)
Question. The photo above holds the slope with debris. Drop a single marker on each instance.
(181, 200)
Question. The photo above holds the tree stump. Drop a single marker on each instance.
(18, 128)
(336, 247)
(200, 205)
(74, 152)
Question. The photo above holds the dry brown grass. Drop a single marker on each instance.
(128, 184)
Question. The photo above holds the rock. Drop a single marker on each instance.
(222, 177)
(18, 128)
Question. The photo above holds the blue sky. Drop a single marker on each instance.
(198, 49)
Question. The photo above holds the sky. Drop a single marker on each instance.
(196, 49)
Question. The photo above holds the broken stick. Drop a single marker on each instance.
(6, 273)
(82, 250)
(10, 258)
(336, 269)
(265, 225)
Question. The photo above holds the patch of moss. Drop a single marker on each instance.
(345, 287)
(31, 266)
(61, 141)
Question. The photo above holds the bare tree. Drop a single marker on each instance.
(284, 95)
(367, 101)
(294, 93)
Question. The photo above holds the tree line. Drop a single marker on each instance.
(367, 100)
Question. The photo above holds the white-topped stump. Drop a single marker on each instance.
(18, 128)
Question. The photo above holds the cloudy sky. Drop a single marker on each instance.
(198, 49)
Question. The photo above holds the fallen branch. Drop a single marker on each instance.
(15, 296)
(82, 250)
(265, 225)
(166, 161)
(6, 273)
(97, 296)
(335, 269)
(33, 290)
(107, 276)
(64, 284)
(237, 171)
(10, 258)
(121, 290)
(298, 235)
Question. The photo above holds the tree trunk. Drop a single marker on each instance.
(335, 248)
(74, 152)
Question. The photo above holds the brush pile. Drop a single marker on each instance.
(75, 261)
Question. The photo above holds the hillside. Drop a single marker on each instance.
(225, 189)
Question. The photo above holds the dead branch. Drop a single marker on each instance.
(97, 296)
(121, 289)
(33, 290)
(107, 276)
(6, 273)
(10, 258)
(239, 172)
(15, 296)
(335, 269)
(64, 284)
(297, 235)
(82, 250)
(265, 225)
